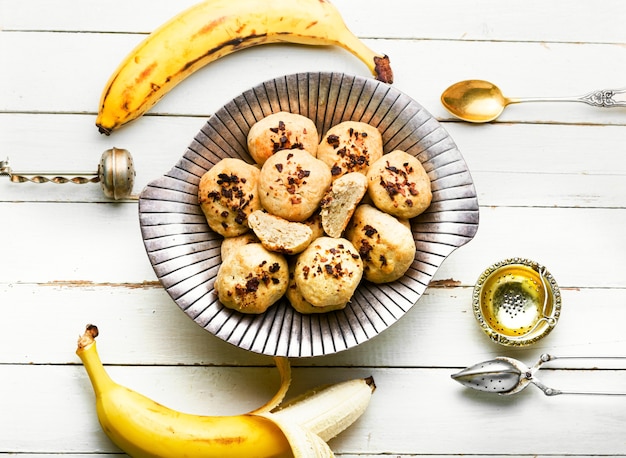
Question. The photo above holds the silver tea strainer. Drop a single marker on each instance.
(516, 302)
(116, 174)
(506, 376)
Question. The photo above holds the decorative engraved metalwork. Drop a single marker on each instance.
(116, 174)
(185, 253)
(603, 98)
(46, 177)
(516, 302)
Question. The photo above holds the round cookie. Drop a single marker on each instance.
(297, 301)
(253, 279)
(399, 185)
(292, 183)
(384, 243)
(350, 146)
(328, 272)
(230, 244)
(282, 130)
(227, 194)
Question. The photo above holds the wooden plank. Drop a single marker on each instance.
(423, 69)
(437, 416)
(72, 143)
(106, 245)
(555, 165)
(533, 20)
(570, 242)
(540, 148)
(142, 326)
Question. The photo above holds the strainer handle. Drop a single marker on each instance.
(554, 392)
(116, 175)
(47, 177)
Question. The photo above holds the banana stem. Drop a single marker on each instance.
(382, 69)
(88, 354)
(378, 64)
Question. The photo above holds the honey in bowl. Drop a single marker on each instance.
(516, 302)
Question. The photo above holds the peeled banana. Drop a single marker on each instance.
(143, 428)
(215, 28)
(317, 409)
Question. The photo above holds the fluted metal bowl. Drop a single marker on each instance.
(185, 252)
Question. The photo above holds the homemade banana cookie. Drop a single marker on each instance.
(230, 244)
(350, 146)
(253, 279)
(297, 301)
(328, 272)
(292, 183)
(279, 131)
(278, 234)
(340, 202)
(399, 185)
(227, 194)
(384, 243)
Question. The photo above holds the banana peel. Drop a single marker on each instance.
(213, 29)
(143, 428)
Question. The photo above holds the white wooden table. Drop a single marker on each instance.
(551, 183)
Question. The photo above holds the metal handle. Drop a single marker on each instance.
(116, 174)
(604, 98)
(553, 391)
(47, 177)
(506, 376)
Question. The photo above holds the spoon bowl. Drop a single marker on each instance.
(480, 101)
(474, 100)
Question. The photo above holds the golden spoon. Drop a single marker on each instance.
(481, 101)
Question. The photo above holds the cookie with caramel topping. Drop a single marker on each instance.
(292, 184)
(385, 243)
(399, 185)
(350, 146)
(227, 194)
(230, 244)
(279, 131)
(299, 303)
(328, 272)
(253, 279)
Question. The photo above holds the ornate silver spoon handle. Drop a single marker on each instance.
(116, 174)
(605, 98)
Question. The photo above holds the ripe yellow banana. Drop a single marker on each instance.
(143, 428)
(212, 29)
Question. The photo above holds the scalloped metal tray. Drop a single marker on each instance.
(185, 253)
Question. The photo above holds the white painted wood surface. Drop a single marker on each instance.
(551, 181)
